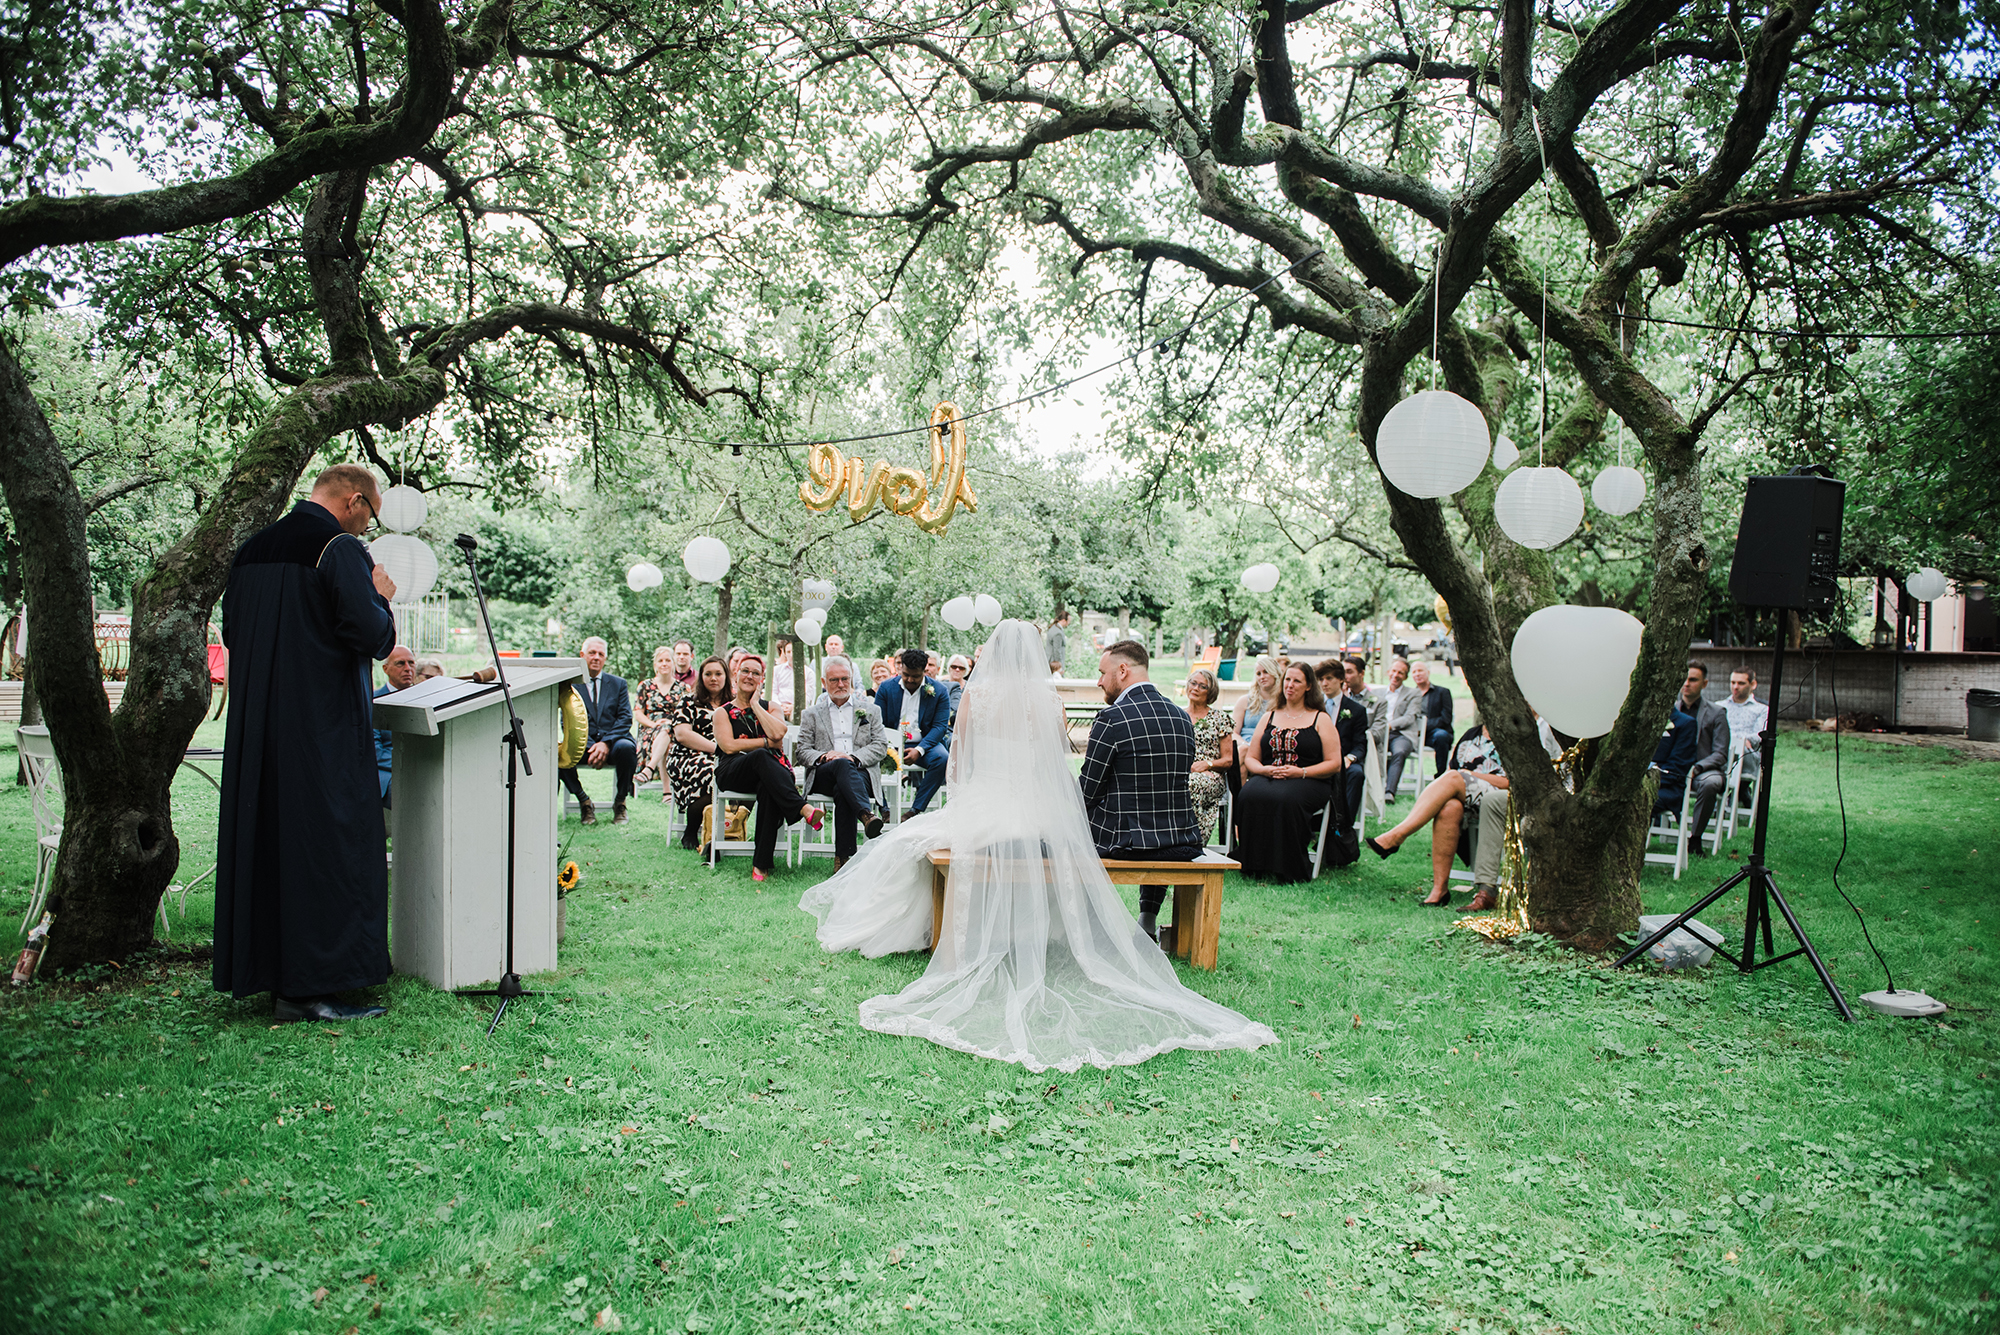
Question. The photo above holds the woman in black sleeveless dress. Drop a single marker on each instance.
(1292, 760)
(749, 734)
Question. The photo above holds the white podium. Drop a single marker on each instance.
(448, 787)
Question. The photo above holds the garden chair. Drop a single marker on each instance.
(1674, 829)
(45, 794)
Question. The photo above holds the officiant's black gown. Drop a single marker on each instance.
(301, 885)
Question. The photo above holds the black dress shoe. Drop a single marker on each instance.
(873, 828)
(287, 1011)
(1377, 849)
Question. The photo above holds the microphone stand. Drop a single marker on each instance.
(516, 742)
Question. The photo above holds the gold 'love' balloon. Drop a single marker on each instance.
(899, 490)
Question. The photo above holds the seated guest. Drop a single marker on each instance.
(842, 745)
(1350, 724)
(1711, 747)
(400, 670)
(781, 683)
(835, 647)
(1674, 757)
(879, 671)
(1747, 716)
(1474, 789)
(691, 760)
(933, 666)
(684, 672)
(1292, 760)
(651, 708)
(609, 705)
(916, 710)
(1405, 725)
(751, 737)
(1437, 715)
(958, 670)
(1214, 750)
(428, 668)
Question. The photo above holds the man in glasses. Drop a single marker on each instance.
(301, 890)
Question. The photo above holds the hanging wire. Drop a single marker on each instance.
(1542, 427)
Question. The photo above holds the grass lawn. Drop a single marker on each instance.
(689, 1132)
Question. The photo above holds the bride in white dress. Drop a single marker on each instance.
(1039, 960)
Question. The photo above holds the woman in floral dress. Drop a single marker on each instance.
(691, 761)
(1214, 750)
(652, 710)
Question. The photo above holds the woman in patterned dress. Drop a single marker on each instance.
(691, 761)
(1214, 750)
(652, 710)
(1292, 760)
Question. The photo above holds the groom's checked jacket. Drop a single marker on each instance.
(1135, 774)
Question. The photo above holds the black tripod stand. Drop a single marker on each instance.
(516, 743)
(1763, 886)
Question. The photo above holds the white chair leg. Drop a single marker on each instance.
(1319, 853)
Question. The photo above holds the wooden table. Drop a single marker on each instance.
(1197, 886)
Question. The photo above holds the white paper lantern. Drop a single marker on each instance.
(959, 614)
(644, 576)
(806, 629)
(412, 565)
(1619, 490)
(403, 509)
(817, 595)
(1261, 578)
(986, 609)
(1574, 665)
(1927, 585)
(1432, 444)
(1505, 454)
(706, 559)
(1538, 507)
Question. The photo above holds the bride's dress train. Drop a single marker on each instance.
(1039, 961)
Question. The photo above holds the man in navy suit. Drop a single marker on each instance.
(1135, 774)
(916, 710)
(609, 706)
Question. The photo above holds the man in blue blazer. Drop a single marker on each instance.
(1135, 774)
(917, 711)
(609, 707)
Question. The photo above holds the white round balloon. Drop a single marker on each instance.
(958, 614)
(1261, 578)
(806, 629)
(1574, 665)
(1505, 454)
(412, 565)
(1927, 585)
(1618, 490)
(403, 509)
(644, 576)
(817, 615)
(1538, 507)
(1432, 444)
(706, 559)
(986, 609)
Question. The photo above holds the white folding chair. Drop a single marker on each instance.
(1319, 844)
(1739, 807)
(1228, 823)
(45, 794)
(1674, 828)
(720, 800)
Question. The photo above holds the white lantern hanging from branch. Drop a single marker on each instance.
(403, 509)
(644, 576)
(1260, 578)
(411, 564)
(1927, 585)
(1574, 665)
(1618, 490)
(1538, 507)
(1433, 443)
(706, 559)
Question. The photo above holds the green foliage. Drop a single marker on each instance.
(690, 1130)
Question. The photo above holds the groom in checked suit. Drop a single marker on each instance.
(609, 706)
(1135, 774)
(842, 745)
(917, 710)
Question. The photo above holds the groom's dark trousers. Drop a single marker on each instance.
(1135, 784)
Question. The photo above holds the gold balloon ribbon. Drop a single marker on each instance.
(899, 490)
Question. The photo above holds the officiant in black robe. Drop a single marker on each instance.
(301, 883)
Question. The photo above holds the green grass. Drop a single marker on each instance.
(690, 1129)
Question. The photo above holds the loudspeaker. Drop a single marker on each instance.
(1788, 545)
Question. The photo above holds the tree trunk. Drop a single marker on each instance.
(724, 593)
(1584, 864)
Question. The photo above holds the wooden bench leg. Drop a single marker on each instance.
(1185, 913)
(937, 904)
(1207, 919)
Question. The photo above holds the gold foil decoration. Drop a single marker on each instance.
(899, 490)
(1444, 613)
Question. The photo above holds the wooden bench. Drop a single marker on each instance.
(1197, 925)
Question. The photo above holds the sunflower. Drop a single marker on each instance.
(567, 878)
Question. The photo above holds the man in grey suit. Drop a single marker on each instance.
(1135, 774)
(1711, 747)
(1405, 727)
(842, 745)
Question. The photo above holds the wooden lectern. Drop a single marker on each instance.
(448, 790)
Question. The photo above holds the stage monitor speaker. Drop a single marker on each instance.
(1788, 545)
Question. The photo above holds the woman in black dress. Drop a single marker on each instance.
(1292, 759)
(750, 736)
(691, 760)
